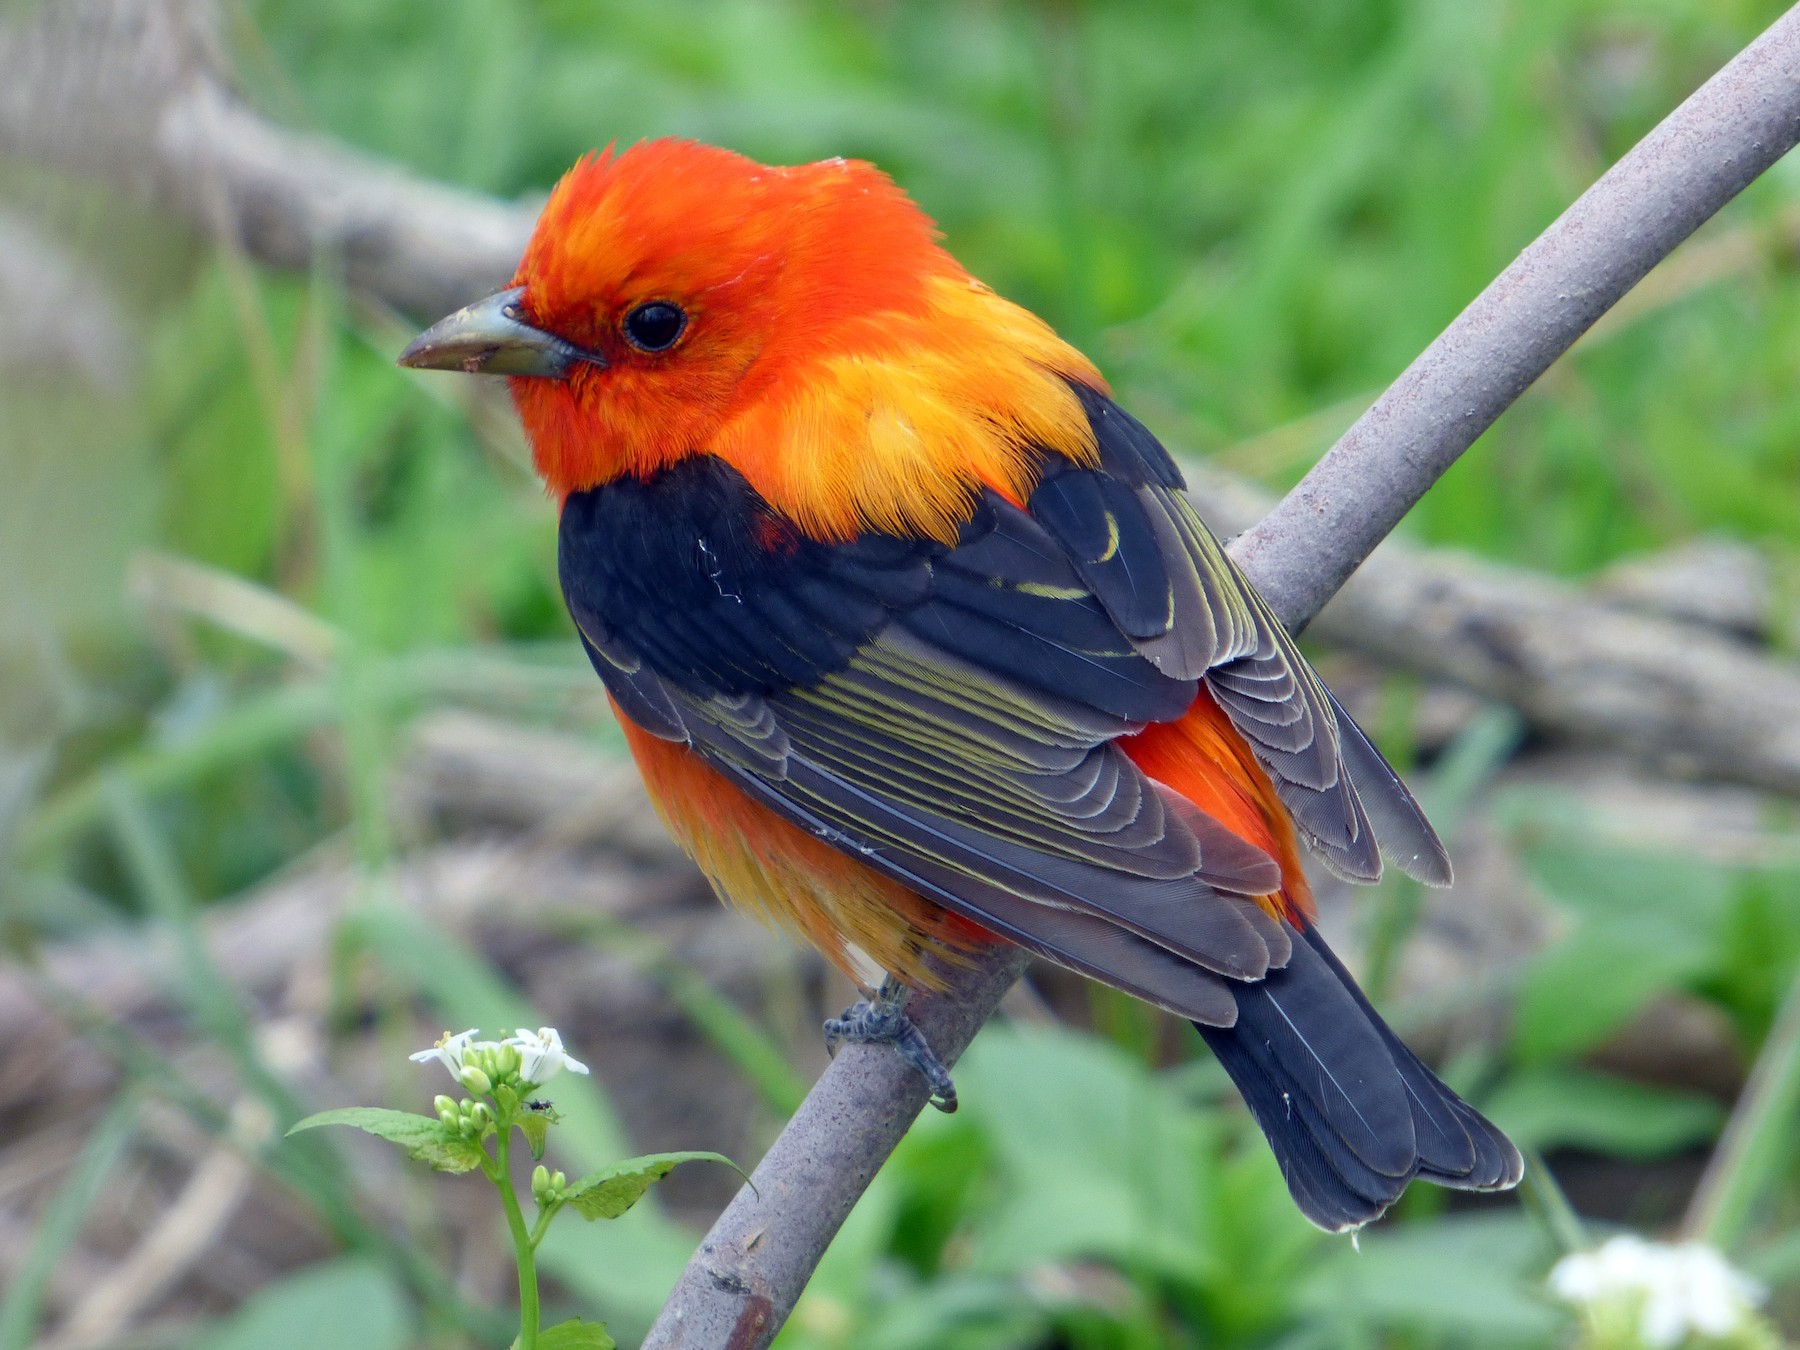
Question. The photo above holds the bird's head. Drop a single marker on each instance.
(678, 299)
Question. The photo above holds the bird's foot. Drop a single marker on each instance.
(883, 1018)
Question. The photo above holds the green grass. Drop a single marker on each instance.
(1253, 214)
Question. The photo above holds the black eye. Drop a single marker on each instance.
(653, 327)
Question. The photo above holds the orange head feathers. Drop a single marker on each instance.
(801, 323)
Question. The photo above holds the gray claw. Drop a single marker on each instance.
(882, 1019)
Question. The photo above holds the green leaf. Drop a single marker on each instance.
(1550, 1107)
(1590, 984)
(60, 1222)
(536, 1129)
(576, 1335)
(611, 1191)
(423, 1137)
(1643, 923)
(1133, 1165)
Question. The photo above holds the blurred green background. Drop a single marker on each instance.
(1252, 213)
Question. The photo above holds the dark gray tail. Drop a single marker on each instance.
(1350, 1112)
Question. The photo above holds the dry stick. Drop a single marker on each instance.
(752, 1266)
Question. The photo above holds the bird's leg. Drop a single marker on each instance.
(871, 1021)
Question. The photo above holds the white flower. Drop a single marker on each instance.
(1678, 1291)
(541, 1055)
(452, 1051)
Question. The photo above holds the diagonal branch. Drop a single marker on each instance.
(133, 93)
(1693, 162)
(752, 1266)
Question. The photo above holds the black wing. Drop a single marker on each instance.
(1137, 541)
(949, 713)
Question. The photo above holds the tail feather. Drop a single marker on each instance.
(1458, 1146)
(1351, 1114)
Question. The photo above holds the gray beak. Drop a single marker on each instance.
(489, 338)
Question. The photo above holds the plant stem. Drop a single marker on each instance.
(542, 1225)
(1751, 1150)
(1546, 1201)
(523, 1243)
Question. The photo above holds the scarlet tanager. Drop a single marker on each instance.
(919, 645)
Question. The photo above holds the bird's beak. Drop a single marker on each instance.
(489, 338)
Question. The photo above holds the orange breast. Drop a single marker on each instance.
(785, 876)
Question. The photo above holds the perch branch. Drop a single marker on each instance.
(1693, 162)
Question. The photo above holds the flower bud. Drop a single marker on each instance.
(506, 1061)
(480, 1114)
(540, 1179)
(559, 1182)
(475, 1080)
(448, 1113)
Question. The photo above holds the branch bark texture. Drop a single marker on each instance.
(1695, 161)
(133, 93)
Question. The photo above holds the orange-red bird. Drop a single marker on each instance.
(919, 645)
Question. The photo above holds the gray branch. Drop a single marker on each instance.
(1697, 159)
(134, 94)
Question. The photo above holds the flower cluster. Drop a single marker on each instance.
(469, 1119)
(1635, 1292)
(479, 1136)
(522, 1061)
(548, 1188)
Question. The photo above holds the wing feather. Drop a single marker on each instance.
(1220, 630)
(948, 714)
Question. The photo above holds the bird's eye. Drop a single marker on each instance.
(654, 326)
